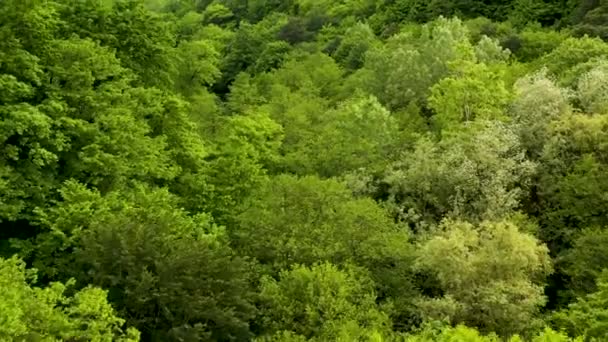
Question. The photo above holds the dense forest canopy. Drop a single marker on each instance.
(304, 170)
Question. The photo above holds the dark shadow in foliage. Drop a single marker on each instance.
(594, 23)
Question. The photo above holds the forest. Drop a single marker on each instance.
(304, 170)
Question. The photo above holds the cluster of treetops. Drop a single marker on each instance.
(304, 170)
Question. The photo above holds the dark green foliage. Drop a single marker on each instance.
(584, 262)
(586, 317)
(143, 41)
(168, 273)
(593, 23)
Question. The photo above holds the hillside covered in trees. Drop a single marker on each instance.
(304, 170)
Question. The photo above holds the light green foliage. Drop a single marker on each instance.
(304, 220)
(315, 74)
(459, 333)
(216, 13)
(464, 334)
(47, 314)
(411, 62)
(307, 220)
(538, 102)
(91, 124)
(247, 43)
(478, 173)
(188, 26)
(489, 51)
(245, 147)
(320, 139)
(587, 316)
(489, 276)
(336, 9)
(592, 90)
(86, 122)
(322, 302)
(300, 115)
(198, 66)
(571, 52)
(549, 335)
(359, 133)
(475, 92)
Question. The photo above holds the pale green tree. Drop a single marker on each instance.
(538, 101)
(478, 173)
(488, 50)
(592, 90)
(490, 276)
(462, 333)
(408, 65)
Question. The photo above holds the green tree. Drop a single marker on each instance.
(592, 21)
(489, 51)
(537, 41)
(91, 127)
(143, 40)
(572, 182)
(322, 302)
(48, 314)
(218, 14)
(538, 102)
(490, 276)
(478, 173)
(198, 67)
(547, 12)
(407, 66)
(359, 133)
(570, 53)
(592, 90)
(352, 48)
(587, 316)
(584, 262)
(243, 149)
(246, 45)
(305, 220)
(462, 333)
(474, 92)
(170, 274)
